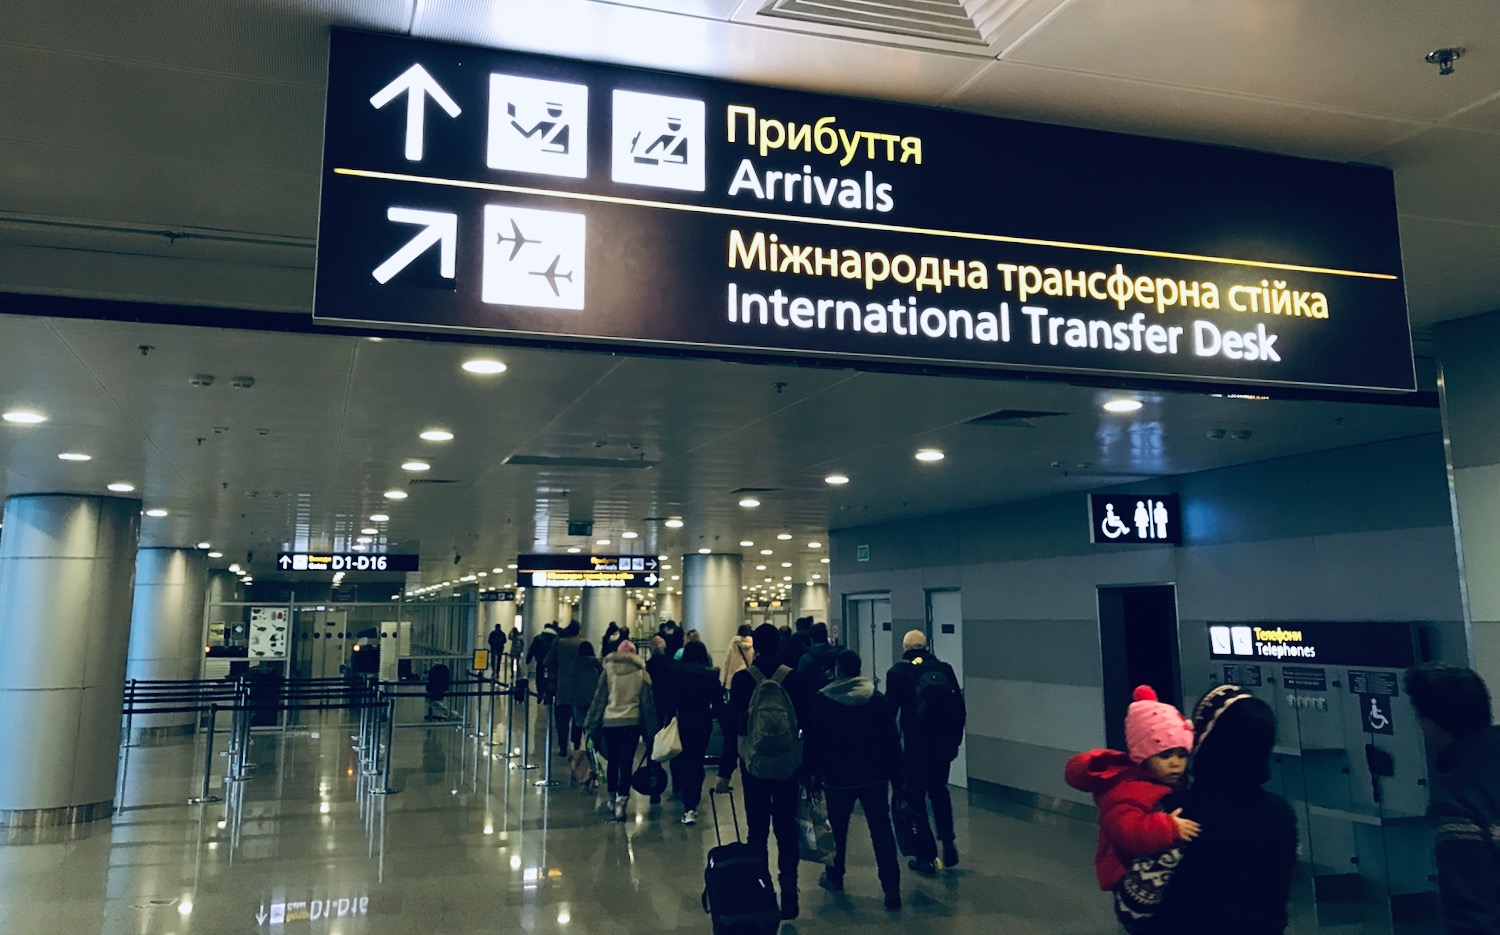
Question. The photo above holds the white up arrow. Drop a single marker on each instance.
(441, 226)
(416, 84)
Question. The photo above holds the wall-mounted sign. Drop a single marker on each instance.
(580, 527)
(1242, 674)
(1305, 678)
(268, 632)
(1375, 713)
(588, 571)
(490, 597)
(344, 561)
(487, 190)
(1382, 644)
(1374, 682)
(1135, 519)
(861, 553)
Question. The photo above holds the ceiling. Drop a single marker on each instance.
(170, 153)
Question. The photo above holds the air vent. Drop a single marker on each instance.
(945, 20)
(743, 490)
(627, 464)
(427, 481)
(1015, 418)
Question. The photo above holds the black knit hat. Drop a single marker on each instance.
(1235, 732)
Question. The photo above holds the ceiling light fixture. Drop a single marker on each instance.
(157, 513)
(216, 555)
(836, 479)
(929, 455)
(437, 435)
(122, 487)
(629, 535)
(74, 456)
(24, 417)
(205, 545)
(746, 543)
(765, 551)
(749, 503)
(783, 536)
(760, 568)
(574, 550)
(380, 518)
(674, 524)
(416, 466)
(815, 545)
(395, 495)
(601, 542)
(1123, 405)
(484, 365)
(369, 531)
(364, 540)
(704, 551)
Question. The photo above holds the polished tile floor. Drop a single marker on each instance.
(465, 844)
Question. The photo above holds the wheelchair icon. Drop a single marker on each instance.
(1113, 526)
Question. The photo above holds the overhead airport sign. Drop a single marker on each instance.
(588, 571)
(559, 200)
(344, 561)
(1135, 519)
(1379, 644)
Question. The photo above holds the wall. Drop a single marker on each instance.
(1360, 533)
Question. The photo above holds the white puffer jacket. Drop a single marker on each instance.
(623, 698)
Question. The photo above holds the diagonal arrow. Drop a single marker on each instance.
(441, 227)
(417, 85)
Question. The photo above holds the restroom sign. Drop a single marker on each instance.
(1135, 519)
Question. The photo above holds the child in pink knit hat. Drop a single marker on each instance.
(1128, 786)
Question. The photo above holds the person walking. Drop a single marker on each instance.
(540, 651)
(659, 667)
(576, 681)
(622, 712)
(767, 742)
(930, 709)
(854, 754)
(817, 666)
(517, 651)
(496, 641)
(794, 646)
(611, 640)
(740, 654)
(695, 701)
(1453, 706)
(1235, 876)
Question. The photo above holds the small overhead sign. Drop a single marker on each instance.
(344, 561)
(1135, 519)
(1377, 644)
(588, 571)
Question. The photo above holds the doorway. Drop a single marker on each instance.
(945, 635)
(1138, 643)
(868, 622)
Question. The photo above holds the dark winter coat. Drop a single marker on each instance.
(577, 676)
(696, 700)
(901, 688)
(1466, 814)
(851, 736)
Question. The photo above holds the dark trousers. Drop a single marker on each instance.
(563, 714)
(926, 779)
(772, 803)
(877, 809)
(687, 768)
(619, 749)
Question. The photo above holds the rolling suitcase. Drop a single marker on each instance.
(737, 890)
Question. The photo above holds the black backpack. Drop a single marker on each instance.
(938, 709)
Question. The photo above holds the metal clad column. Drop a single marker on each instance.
(669, 606)
(600, 606)
(166, 627)
(540, 610)
(490, 614)
(712, 601)
(66, 565)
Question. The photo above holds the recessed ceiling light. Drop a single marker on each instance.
(360, 547)
(786, 564)
(416, 466)
(601, 542)
(24, 417)
(156, 512)
(783, 536)
(395, 495)
(574, 550)
(511, 566)
(74, 456)
(824, 560)
(787, 578)
(760, 568)
(749, 503)
(484, 365)
(234, 567)
(437, 435)
(216, 555)
(674, 524)
(499, 571)
(765, 551)
(815, 545)
(1123, 405)
(629, 535)
(929, 454)
(369, 531)
(836, 479)
(676, 578)
(380, 518)
(815, 577)
(205, 545)
(122, 487)
(364, 539)
(704, 551)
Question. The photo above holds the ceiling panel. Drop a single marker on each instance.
(1447, 173)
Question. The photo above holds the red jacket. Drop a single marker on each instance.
(1129, 824)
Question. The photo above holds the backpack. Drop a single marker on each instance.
(773, 743)
(938, 709)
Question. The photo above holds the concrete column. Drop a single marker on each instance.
(66, 569)
(166, 628)
(224, 588)
(491, 613)
(712, 602)
(541, 609)
(810, 600)
(669, 605)
(600, 606)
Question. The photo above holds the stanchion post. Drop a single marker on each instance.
(390, 739)
(547, 780)
(489, 733)
(208, 760)
(525, 694)
(129, 712)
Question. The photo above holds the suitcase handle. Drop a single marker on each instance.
(713, 803)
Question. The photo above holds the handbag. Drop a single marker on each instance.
(668, 743)
(1139, 894)
(815, 833)
(650, 778)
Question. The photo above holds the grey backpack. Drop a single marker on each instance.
(773, 742)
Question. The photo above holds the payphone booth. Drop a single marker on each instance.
(1350, 760)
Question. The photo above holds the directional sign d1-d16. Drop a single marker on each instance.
(344, 561)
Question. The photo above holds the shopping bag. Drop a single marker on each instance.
(815, 834)
(668, 743)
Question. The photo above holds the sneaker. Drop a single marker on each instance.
(690, 817)
(893, 900)
(950, 854)
(789, 907)
(620, 801)
(831, 883)
(926, 868)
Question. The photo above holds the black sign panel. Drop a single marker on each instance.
(344, 561)
(1245, 676)
(1305, 678)
(588, 571)
(1135, 519)
(1375, 712)
(497, 597)
(1365, 682)
(489, 190)
(1382, 644)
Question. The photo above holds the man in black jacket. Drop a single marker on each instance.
(792, 647)
(853, 752)
(1454, 706)
(541, 648)
(928, 750)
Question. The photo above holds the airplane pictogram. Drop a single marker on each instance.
(552, 275)
(520, 239)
